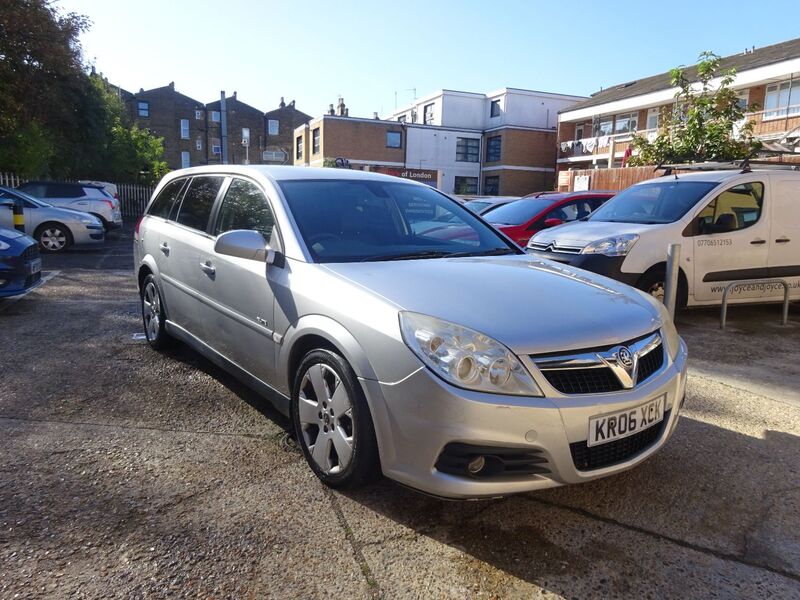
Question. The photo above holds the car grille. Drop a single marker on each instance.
(650, 363)
(30, 253)
(583, 381)
(554, 247)
(588, 372)
(31, 279)
(587, 458)
(499, 462)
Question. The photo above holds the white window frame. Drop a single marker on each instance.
(399, 139)
(216, 146)
(607, 120)
(492, 104)
(653, 113)
(429, 113)
(246, 134)
(215, 116)
(184, 129)
(632, 116)
(143, 105)
(186, 160)
(198, 144)
(782, 111)
(273, 126)
(198, 115)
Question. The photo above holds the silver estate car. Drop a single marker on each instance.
(55, 229)
(443, 357)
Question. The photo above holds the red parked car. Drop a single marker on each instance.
(522, 218)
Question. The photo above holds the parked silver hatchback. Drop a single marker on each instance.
(404, 335)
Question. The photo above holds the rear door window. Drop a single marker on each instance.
(63, 190)
(198, 200)
(162, 205)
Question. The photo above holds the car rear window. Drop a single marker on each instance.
(63, 190)
(197, 202)
(162, 205)
(517, 212)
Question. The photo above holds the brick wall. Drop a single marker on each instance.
(363, 139)
(239, 116)
(520, 183)
(289, 119)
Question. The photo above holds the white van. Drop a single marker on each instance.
(732, 225)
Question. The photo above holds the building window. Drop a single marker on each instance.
(143, 108)
(299, 153)
(626, 123)
(493, 147)
(491, 185)
(394, 139)
(198, 115)
(185, 164)
(272, 126)
(427, 114)
(465, 185)
(603, 125)
(653, 117)
(216, 146)
(782, 99)
(495, 109)
(215, 116)
(401, 119)
(246, 135)
(198, 144)
(184, 129)
(579, 132)
(315, 141)
(467, 149)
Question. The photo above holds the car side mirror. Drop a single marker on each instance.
(245, 243)
(552, 222)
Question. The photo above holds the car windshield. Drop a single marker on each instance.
(518, 212)
(365, 220)
(653, 203)
(29, 198)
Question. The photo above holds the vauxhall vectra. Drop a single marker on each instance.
(453, 363)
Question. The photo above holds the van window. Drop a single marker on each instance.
(198, 201)
(245, 207)
(653, 203)
(162, 205)
(736, 208)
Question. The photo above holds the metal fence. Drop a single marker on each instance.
(133, 198)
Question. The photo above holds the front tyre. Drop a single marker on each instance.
(53, 237)
(153, 315)
(332, 421)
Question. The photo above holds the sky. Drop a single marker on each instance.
(377, 53)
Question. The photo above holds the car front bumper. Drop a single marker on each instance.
(419, 416)
(609, 266)
(87, 235)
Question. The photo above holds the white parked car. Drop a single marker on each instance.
(733, 225)
(93, 199)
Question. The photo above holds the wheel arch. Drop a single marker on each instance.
(683, 280)
(64, 226)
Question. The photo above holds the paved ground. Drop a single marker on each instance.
(128, 473)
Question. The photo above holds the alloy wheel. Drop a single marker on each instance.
(53, 239)
(325, 412)
(151, 304)
(657, 291)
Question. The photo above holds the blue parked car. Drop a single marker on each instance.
(20, 265)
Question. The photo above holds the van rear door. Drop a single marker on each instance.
(784, 250)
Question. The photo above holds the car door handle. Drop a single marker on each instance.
(782, 240)
(208, 268)
(164, 247)
(758, 242)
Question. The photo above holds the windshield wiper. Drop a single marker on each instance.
(492, 252)
(408, 255)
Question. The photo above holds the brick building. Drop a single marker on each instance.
(597, 131)
(177, 118)
(245, 132)
(461, 142)
(279, 132)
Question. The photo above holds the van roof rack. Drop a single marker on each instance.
(743, 166)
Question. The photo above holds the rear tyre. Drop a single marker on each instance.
(53, 237)
(332, 421)
(153, 315)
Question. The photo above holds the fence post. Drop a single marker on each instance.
(671, 280)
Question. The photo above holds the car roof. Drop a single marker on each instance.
(78, 183)
(564, 195)
(710, 176)
(290, 173)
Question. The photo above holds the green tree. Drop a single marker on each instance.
(707, 122)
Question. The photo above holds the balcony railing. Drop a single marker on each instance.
(601, 145)
(774, 122)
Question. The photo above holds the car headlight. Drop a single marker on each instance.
(619, 245)
(464, 357)
(4, 246)
(88, 220)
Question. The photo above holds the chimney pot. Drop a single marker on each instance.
(282, 104)
(172, 85)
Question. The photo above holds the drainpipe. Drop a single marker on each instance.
(223, 111)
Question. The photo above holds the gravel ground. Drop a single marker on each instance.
(129, 473)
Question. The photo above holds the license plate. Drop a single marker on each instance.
(34, 266)
(622, 423)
